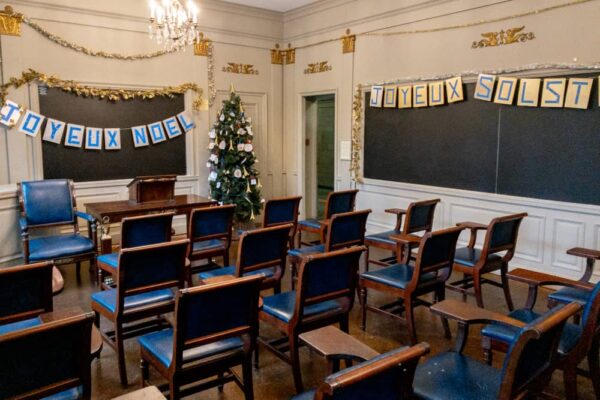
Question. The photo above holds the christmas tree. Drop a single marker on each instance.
(233, 177)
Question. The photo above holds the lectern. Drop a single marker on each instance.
(152, 188)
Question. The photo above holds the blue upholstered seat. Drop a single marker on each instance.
(160, 345)
(308, 395)
(108, 298)
(382, 237)
(453, 376)
(110, 259)
(71, 394)
(281, 306)
(52, 247)
(397, 275)
(470, 256)
(310, 223)
(15, 326)
(569, 294)
(507, 334)
(208, 245)
(319, 248)
(267, 272)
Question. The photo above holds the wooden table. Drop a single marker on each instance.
(335, 345)
(97, 342)
(147, 393)
(109, 212)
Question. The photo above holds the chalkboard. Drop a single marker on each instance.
(475, 145)
(168, 157)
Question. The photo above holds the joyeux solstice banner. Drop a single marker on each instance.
(90, 138)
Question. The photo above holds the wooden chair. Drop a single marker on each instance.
(429, 275)
(146, 277)
(209, 232)
(283, 211)
(577, 341)
(325, 296)
(136, 231)
(527, 368)
(49, 360)
(387, 376)
(337, 202)
(51, 203)
(215, 330)
(344, 230)
(418, 217)
(261, 251)
(25, 293)
(501, 236)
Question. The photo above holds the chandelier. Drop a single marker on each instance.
(173, 25)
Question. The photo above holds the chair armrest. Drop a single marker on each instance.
(534, 278)
(23, 224)
(397, 211)
(585, 253)
(85, 216)
(474, 226)
(466, 313)
(406, 238)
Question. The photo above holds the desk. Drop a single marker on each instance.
(110, 212)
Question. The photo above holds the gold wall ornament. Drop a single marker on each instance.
(10, 22)
(315, 68)
(100, 92)
(348, 43)
(245, 69)
(290, 56)
(510, 36)
(357, 107)
(276, 56)
(201, 46)
(212, 87)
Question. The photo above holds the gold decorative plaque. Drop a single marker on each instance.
(290, 56)
(276, 56)
(201, 47)
(10, 22)
(510, 36)
(245, 69)
(348, 43)
(317, 67)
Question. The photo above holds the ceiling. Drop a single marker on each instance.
(274, 5)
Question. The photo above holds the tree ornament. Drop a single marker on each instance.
(237, 173)
(241, 131)
(230, 144)
(222, 117)
(248, 190)
(211, 145)
(222, 145)
(248, 147)
(212, 134)
(259, 185)
(240, 146)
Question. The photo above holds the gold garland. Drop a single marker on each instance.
(212, 89)
(356, 129)
(103, 93)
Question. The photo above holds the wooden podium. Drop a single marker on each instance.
(152, 188)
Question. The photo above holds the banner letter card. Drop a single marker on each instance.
(376, 96)
(157, 132)
(54, 131)
(112, 139)
(454, 89)
(389, 97)
(436, 93)
(140, 136)
(93, 138)
(529, 92)
(74, 136)
(484, 87)
(186, 121)
(10, 113)
(404, 96)
(31, 123)
(420, 95)
(505, 90)
(578, 93)
(553, 92)
(172, 127)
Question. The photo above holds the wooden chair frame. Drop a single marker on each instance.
(296, 212)
(92, 231)
(410, 297)
(402, 249)
(121, 317)
(299, 324)
(472, 276)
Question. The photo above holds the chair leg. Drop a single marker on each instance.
(410, 320)
(477, 287)
(367, 258)
(464, 292)
(293, 274)
(121, 354)
(173, 389)
(506, 287)
(247, 378)
(440, 295)
(295, 361)
(570, 379)
(299, 238)
(594, 366)
(256, 357)
(78, 268)
(145, 372)
(221, 386)
(363, 308)
(345, 324)
(486, 346)
(226, 258)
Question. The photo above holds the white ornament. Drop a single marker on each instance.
(232, 113)
(222, 117)
(249, 130)
(211, 145)
(213, 176)
(214, 158)
(212, 134)
(253, 181)
(222, 145)
(241, 131)
(237, 173)
(248, 147)
(240, 146)
(208, 164)
(218, 185)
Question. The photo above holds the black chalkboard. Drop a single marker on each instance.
(475, 145)
(168, 157)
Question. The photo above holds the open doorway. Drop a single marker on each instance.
(319, 152)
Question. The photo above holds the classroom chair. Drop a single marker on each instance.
(500, 236)
(215, 330)
(260, 251)
(325, 296)
(282, 211)
(51, 203)
(526, 370)
(407, 283)
(388, 376)
(337, 202)
(146, 277)
(136, 231)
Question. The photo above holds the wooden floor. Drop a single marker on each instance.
(273, 379)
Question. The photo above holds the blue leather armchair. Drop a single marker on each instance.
(51, 203)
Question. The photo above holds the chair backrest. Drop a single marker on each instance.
(388, 376)
(263, 248)
(280, 211)
(502, 235)
(46, 359)
(47, 202)
(213, 222)
(419, 216)
(214, 312)
(340, 202)
(346, 229)
(147, 268)
(25, 291)
(436, 254)
(327, 276)
(146, 229)
(532, 353)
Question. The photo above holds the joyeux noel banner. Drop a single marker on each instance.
(90, 138)
(555, 92)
